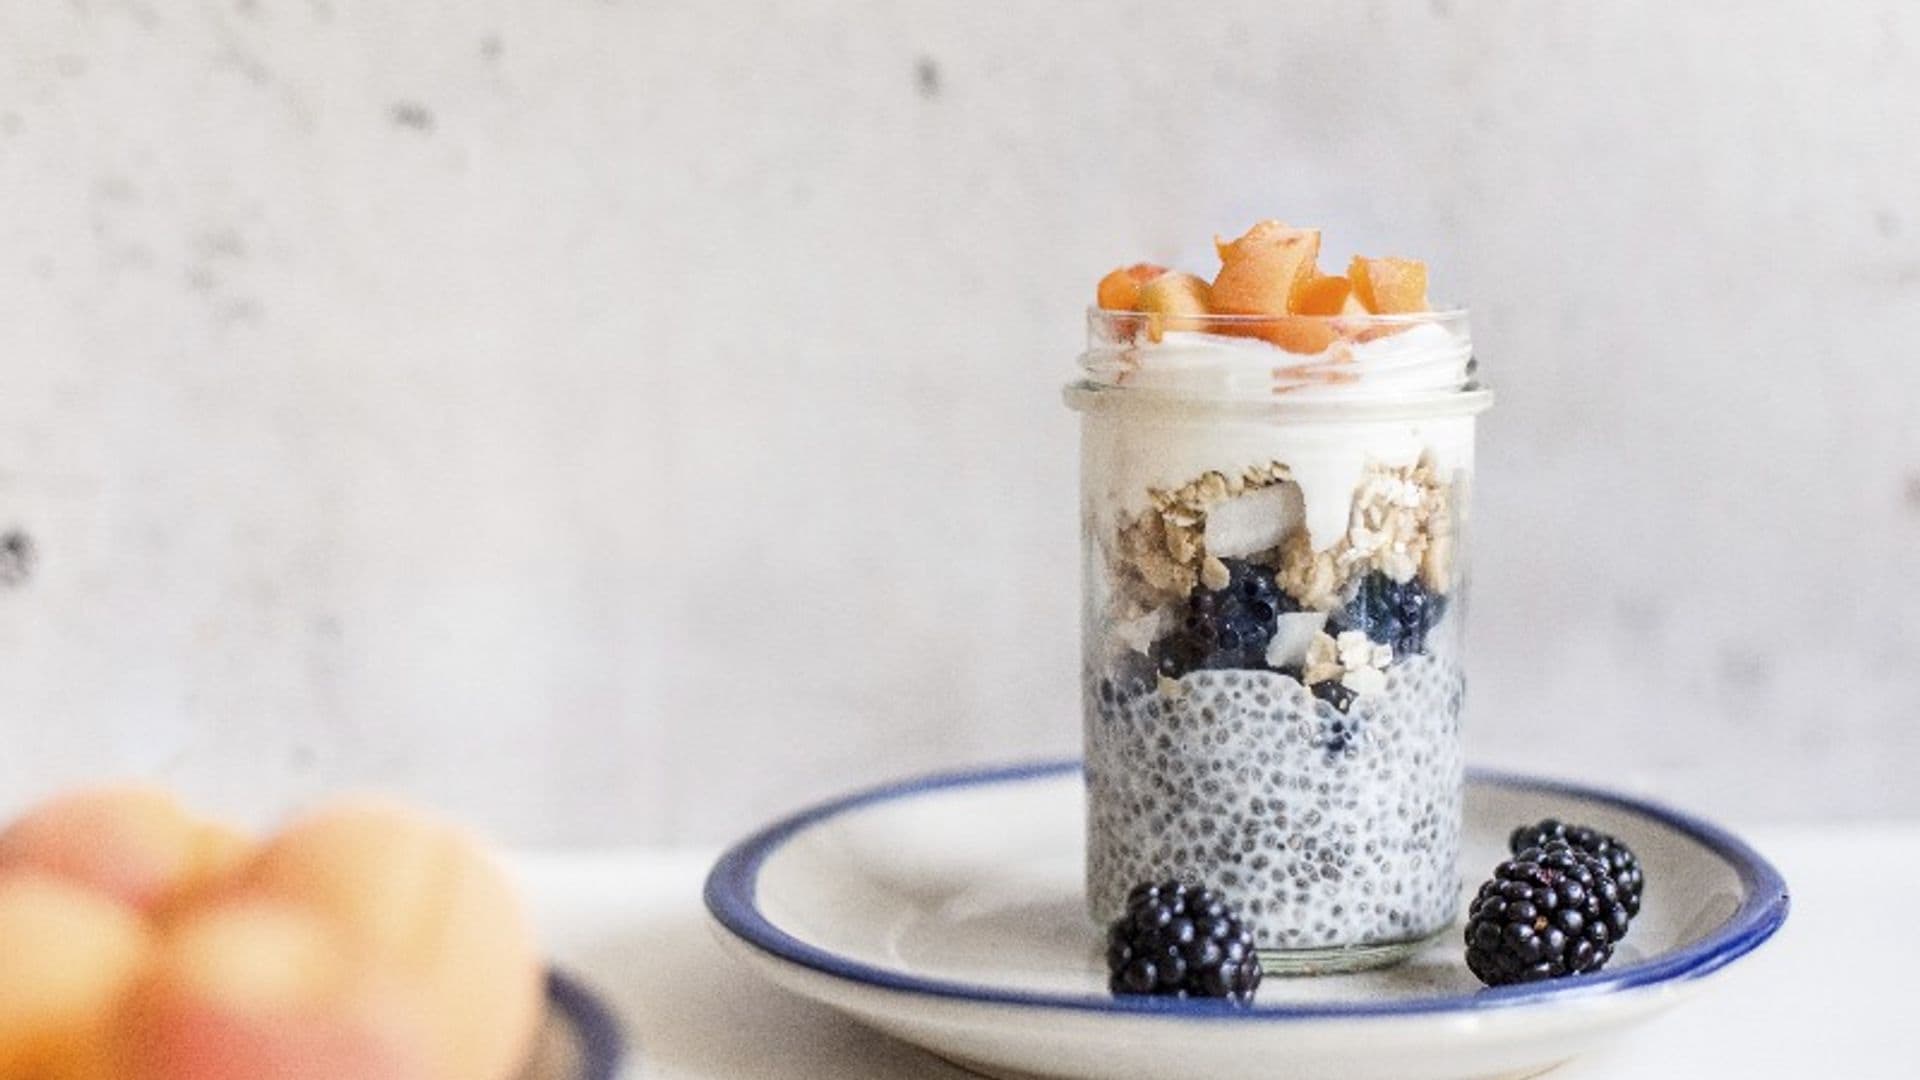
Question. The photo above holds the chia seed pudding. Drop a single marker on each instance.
(1274, 518)
(1320, 827)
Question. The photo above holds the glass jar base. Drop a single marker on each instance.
(1342, 959)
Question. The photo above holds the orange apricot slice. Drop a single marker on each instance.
(1259, 271)
(1294, 334)
(1389, 286)
(1321, 294)
(1120, 290)
(1174, 301)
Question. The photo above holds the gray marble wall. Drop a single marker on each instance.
(619, 421)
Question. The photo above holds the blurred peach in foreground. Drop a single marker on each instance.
(252, 990)
(421, 900)
(66, 957)
(137, 845)
(367, 942)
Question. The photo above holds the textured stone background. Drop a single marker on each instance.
(620, 421)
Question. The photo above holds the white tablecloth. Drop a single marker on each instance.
(1832, 997)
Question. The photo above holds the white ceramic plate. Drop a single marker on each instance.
(580, 1039)
(948, 912)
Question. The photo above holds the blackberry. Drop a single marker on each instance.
(1621, 862)
(1548, 912)
(1227, 628)
(1398, 614)
(1180, 940)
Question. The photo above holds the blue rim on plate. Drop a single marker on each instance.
(731, 896)
(601, 1044)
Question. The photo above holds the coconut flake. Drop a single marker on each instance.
(1293, 635)
(1364, 681)
(1254, 522)
(1140, 634)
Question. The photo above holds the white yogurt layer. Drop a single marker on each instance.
(1126, 453)
(1158, 441)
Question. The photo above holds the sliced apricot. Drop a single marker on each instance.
(1120, 290)
(1258, 272)
(1321, 294)
(1390, 286)
(1173, 301)
(1298, 334)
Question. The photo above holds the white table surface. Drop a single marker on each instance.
(1829, 997)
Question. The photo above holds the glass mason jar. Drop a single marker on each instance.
(1274, 559)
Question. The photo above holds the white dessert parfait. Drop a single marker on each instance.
(1275, 470)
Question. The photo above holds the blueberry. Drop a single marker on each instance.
(1228, 628)
(1397, 614)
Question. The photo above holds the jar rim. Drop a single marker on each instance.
(1332, 366)
(1086, 396)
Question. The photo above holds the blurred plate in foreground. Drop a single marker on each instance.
(580, 1039)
